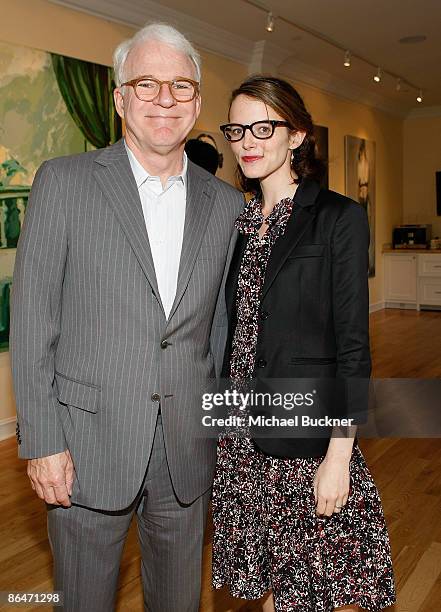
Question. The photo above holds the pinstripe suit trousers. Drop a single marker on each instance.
(170, 537)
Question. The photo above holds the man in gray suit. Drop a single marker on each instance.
(118, 323)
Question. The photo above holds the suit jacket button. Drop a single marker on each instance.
(156, 397)
(164, 344)
(261, 363)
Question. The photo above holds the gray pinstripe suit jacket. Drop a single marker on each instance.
(87, 324)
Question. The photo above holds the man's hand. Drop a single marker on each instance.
(52, 477)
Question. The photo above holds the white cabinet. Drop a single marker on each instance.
(400, 276)
(429, 292)
(429, 265)
(412, 280)
(429, 280)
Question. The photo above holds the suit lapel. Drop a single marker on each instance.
(200, 199)
(115, 177)
(303, 213)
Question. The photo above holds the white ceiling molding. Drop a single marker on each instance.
(424, 111)
(300, 72)
(272, 59)
(136, 13)
(263, 56)
(267, 57)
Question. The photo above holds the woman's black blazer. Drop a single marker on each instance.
(314, 309)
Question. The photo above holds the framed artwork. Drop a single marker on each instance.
(438, 192)
(227, 169)
(50, 105)
(321, 135)
(360, 183)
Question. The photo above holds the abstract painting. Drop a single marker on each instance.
(360, 183)
(50, 105)
(227, 171)
(322, 148)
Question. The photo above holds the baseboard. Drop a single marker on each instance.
(7, 428)
(376, 306)
(401, 305)
(430, 307)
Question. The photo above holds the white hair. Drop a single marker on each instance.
(160, 32)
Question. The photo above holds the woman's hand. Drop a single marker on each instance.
(331, 485)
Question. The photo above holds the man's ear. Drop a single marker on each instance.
(296, 139)
(198, 105)
(119, 102)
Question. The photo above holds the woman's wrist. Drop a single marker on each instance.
(340, 449)
(338, 458)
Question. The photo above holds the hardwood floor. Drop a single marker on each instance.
(407, 472)
(406, 344)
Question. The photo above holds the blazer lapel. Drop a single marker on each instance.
(233, 273)
(303, 213)
(200, 199)
(115, 177)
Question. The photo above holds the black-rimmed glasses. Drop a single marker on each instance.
(234, 132)
(147, 88)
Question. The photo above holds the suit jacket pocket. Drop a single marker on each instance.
(76, 393)
(308, 250)
(313, 360)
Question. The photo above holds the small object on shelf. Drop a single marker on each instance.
(411, 236)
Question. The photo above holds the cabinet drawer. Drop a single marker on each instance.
(429, 265)
(430, 291)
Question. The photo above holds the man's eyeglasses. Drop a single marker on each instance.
(147, 88)
(234, 132)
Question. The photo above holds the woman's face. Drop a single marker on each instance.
(258, 158)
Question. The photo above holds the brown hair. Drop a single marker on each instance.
(286, 101)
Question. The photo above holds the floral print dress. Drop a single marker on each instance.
(266, 533)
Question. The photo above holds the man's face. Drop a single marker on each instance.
(163, 124)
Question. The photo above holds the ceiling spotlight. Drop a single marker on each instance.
(398, 86)
(412, 40)
(270, 22)
(420, 96)
(377, 77)
(347, 61)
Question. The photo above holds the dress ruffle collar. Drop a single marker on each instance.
(251, 218)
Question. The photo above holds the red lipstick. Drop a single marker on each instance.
(251, 158)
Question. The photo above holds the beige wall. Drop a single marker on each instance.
(343, 117)
(42, 25)
(421, 159)
(39, 24)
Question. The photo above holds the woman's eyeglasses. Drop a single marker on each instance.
(234, 132)
(147, 88)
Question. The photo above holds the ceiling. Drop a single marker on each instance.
(370, 30)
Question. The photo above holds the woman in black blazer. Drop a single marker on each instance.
(297, 517)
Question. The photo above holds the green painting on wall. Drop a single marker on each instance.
(50, 105)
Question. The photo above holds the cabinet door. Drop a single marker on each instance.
(400, 277)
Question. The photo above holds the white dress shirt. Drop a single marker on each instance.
(164, 215)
